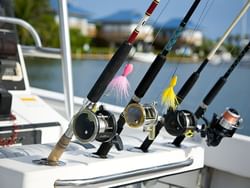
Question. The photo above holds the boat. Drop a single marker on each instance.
(144, 57)
(37, 118)
(221, 57)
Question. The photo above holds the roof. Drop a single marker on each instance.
(121, 17)
(73, 10)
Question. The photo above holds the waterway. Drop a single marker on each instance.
(48, 75)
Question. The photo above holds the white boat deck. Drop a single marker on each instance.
(121, 167)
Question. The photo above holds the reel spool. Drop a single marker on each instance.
(223, 126)
(180, 122)
(137, 115)
(89, 126)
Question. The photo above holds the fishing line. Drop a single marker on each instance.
(117, 94)
(170, 116)
(120, 84)
(145, 83)
(200, 20)
(173, 82)
(88, 113)
(153, 26)
(157, 33)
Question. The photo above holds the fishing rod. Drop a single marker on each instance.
(90, 122)
(143, 87)
(215, 133)
(185, 89)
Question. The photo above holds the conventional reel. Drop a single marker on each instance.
(89, 125)
(146, 115)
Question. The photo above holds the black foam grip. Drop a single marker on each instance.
(109, 72)
(214, 91)
(146, 143)
(187, 87)
(150, 76)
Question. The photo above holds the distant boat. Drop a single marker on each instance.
(246, 59)
(221, 57)
(144, 57)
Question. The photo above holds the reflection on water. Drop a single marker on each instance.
(235, 93)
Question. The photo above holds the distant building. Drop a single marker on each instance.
(190, 36)
(117, 27)
(78, 18)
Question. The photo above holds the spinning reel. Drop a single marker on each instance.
(89, 125)
(146, 115)
(221, 126)
(183, 122)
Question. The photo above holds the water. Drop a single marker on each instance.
(235, 93)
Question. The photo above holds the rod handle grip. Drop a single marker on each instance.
(150, 75)
(109, 72)
(185, 89)
(59, 148)
(214, 91)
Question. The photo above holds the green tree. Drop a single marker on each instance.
(205, 48)
(77, 40)
(41, 17)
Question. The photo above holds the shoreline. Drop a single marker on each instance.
(90, 56)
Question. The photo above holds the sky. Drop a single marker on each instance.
(216, 15)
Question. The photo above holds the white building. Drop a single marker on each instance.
(78, 18)
(118, 26)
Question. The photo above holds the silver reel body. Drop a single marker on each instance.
(88, 125)
(146, 115)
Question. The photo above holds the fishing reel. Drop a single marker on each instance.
(89, 125)
(180, 122)
(221, 126)
(146, 115)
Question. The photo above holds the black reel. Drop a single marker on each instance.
(222, 126)
(100, 125)
(180, 122)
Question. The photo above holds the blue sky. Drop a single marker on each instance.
(218, 17)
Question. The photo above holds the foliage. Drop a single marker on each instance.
(205, 48)
(77, 40)
(42, 18)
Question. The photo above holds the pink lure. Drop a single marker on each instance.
(120, 84)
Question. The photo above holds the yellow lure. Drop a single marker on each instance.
(169, 98)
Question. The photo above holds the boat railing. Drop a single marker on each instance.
(119, 176)
(35, 51)
(64, 53)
